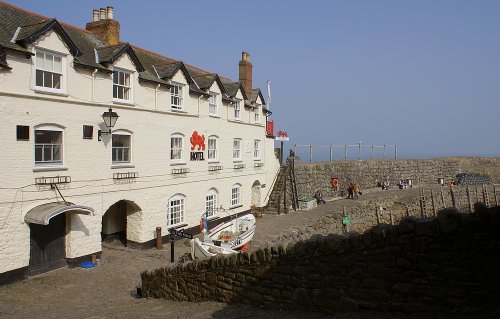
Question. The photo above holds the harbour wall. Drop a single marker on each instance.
(443, 263)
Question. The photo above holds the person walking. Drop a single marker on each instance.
(357, 190)
(350, 190)
(319, 198)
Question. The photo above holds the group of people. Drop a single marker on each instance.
(354, 190)
(402, 184)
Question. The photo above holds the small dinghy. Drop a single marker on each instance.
(226, 238)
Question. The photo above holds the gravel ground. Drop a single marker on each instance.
(108, 290)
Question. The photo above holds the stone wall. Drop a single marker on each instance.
(315, 176)
(448, 263)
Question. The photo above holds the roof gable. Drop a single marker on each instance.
(256, 94)
(30, 33)
(206, 80)
(110, 54)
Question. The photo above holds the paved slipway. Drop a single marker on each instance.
(108, 290)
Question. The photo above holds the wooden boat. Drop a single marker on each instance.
(225, 238)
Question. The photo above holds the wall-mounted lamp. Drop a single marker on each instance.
(109, 118)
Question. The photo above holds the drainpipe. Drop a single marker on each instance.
(156, 95)
(93, 84)
(199, 105)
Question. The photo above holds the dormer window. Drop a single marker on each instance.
(256, 114)
(237, 110)
(176, 96)
(212, 104)
(49, 72)
(121, 86)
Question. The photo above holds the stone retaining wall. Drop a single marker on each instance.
(448, 263)
(311, 177)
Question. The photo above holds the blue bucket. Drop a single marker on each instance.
(87, 264)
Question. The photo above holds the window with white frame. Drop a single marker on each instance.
(175, 214)
(236, 149)
(256, 149)
(237, 110)
(212, 104)
(176, 142)
(48, 146)
(211, 202)
(236, 195)
(49, 72)
(256, 114)
(121, 146)
(121, 86)
(176, 96)
(212, 148)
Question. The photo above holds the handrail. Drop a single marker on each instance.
(271, 188)
(345, 147)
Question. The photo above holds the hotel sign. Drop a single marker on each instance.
(197, 147)
(282, 136)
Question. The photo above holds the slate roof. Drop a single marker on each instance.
(152, 67)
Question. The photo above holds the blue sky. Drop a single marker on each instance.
(424, 75)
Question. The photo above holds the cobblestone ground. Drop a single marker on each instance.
(108, 290)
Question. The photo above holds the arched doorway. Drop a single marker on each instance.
(256, 194)
(115, 222)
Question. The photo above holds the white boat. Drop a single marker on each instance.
(225, 238)
(201, 249)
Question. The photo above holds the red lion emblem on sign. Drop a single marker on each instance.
(197, 140)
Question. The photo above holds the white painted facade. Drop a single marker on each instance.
(150, 122)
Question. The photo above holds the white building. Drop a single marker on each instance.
(186, 141)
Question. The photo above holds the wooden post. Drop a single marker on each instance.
(468, 198)
(372, 152)
(331, 152)
(377, 212)
(395, 151)
(285, 206)
(495, 194)
(422, 213)
(407, 210)
(158, 238)
(344, 226)
(452, 194)
(310, 153)
(433, 204)
(442, 198)
(392, 218)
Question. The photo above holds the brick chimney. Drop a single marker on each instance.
(104, 27)
(246, 74)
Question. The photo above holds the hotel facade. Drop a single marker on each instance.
(102, 139)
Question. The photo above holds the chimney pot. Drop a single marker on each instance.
(102, 14)
(95, 15)
(110, 13)
(104, 26)
(245, 56)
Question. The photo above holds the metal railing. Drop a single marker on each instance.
(385, 148)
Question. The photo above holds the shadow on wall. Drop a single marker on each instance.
(449, 264)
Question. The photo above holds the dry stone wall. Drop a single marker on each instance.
(448, 263)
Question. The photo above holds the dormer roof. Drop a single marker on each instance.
(28, 34)
(109, 54)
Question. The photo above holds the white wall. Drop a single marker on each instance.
(88, 162)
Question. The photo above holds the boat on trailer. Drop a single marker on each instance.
(225, 238)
